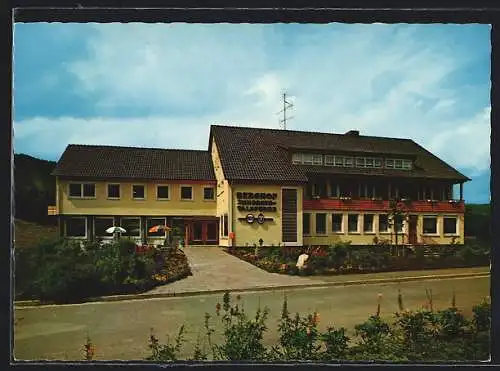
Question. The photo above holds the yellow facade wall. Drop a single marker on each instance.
(249, 234)
(222, 192)
(126, 205)
(367, 238)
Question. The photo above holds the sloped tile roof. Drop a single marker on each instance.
(90, 161)
(254, 154)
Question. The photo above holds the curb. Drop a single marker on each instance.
(115, 298)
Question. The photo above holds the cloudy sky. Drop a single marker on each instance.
(162, 85)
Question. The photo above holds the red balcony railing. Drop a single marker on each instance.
(453, 206)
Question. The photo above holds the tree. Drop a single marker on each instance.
(397, 214)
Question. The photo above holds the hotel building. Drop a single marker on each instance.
(274, 187)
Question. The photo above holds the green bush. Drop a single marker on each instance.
(66, 271)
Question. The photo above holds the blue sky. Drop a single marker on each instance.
(162, 85)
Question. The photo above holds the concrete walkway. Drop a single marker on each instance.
(213, 269)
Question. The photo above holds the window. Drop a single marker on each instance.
(334, 190)
(162, 192)
(132, 227)
(306, 223)
(368, 223)
(100, 226)
(349, 162)
(317, 159)
(320, 223)
(398, 223)
(360, 162)
(75, 190)
(224, 223)
(88, 190)
(79, 190)
(76, 227)
(138, 192)
(151, 222)
(430, 225)
(297, 158)
(352, 223)
(377, 162)
(186, 193)
(389, 163)
(329, 160)
(369, 162)
(337, 223)
(339, 160)
(450, 225)
(398, 164)
(113, 191)
(383, 223)
(208, 193)
(407, 164)
(307, 159)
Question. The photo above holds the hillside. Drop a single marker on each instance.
(477, 221)
(34, 189)
(28, 234)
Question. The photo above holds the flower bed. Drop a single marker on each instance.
(344, 259)
(63, 271)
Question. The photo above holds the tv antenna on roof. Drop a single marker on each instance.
(286, 105)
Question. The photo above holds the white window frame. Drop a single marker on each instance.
(303, 219)
(396, 162)
(339, 161)
(371, 160)
(393, 223)
(112, 224)
(342, 228)
(373, 224)
(388, 230)
(348, 161)
(389, 163)
(360, 162)
(131, 218)
(316, 233)
(213, 192)
(329, 160)
(457, 221)
(76, 237)
(307, 159)
(317, 159)
(164, 219)
(163, 198)
(437, 225)
(82, 197)
(180, 192)
(119, 190)
(132, 191)
(407, 164)
(297, 158)
(357, 224)
(377, 163)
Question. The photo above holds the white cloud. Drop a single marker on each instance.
(383, 80)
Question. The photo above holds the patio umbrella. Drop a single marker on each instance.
(115, 230)
(158, 228)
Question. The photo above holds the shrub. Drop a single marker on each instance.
(414, 336)
(64, 271)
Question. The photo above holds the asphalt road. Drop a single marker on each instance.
(120, 330)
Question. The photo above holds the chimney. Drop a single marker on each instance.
(353, 133)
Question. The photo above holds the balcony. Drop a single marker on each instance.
(346, 203)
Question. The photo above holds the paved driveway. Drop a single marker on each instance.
(214, 269)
